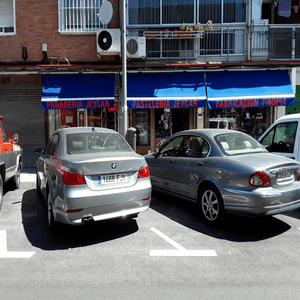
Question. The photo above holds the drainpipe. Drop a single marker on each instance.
(123, 115)
(249, 29)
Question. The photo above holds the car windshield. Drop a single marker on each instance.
(238, 143)
(95, 142)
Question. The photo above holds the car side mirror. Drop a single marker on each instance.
(156, 152)
(15, 138)
(39, 151)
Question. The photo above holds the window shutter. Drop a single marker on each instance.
(6, 13)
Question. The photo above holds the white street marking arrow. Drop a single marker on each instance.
(11, 254)
(181, 250)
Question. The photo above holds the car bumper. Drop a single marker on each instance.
(101, 205)
(261, 202)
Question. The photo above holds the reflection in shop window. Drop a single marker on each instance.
(162, 125)
(142, 128)
(249, 120)
(100, 117)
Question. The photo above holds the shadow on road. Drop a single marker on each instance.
(34, 217)
(294, 214)
(234, 228)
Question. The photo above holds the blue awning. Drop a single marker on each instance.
(166, 90)
(242, 89)
(64, 91)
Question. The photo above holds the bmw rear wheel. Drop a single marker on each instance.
(1, 191)
(38, 184)
(211, 205)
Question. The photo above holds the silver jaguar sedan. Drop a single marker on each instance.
(89, 174)
(225, 171)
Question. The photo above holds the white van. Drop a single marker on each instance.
(283, 137)
(222, 123)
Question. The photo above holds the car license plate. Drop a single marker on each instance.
(116, 178)
(285, 175)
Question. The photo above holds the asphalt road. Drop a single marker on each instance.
(166, 253)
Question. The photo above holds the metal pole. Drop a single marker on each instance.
(123, 121)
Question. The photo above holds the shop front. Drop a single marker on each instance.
(20, 103)
(161, 104)
(75, 100)
(245, 100)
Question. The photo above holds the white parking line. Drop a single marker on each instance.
(181, 250)
(11, 254)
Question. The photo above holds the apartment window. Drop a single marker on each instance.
(175, 12)
(144, 12)
(7, 17)
(79, 15)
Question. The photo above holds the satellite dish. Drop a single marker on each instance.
(104, 40)
(106, 12)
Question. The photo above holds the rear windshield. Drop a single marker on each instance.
(238, 143)
(96, 142)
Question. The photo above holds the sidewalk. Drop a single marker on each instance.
(28, 177)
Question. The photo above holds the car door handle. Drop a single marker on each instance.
(200, 163)
(171, 160)
(292, 157)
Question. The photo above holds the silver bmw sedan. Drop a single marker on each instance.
(225, 171)
(89, 174)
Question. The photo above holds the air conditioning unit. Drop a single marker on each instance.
(136, 47)
(109, 41)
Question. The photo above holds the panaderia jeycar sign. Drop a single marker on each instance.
(74, 104)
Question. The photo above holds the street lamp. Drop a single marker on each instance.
(105, 16)
(123, 109)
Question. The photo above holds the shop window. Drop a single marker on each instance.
(79, 15)
(101, 117)
(180, 119)
(7, 17)
(249, 120)
(162, 125)
(142, 128)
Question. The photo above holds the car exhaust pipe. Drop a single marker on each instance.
(87, 220)
(90, 220)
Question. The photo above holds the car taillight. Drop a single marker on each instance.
(298, 177)
(260, 179)
(70, 178)
(144, 173)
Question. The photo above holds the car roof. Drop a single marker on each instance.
(290, 117)
(209, 131)
(71, 130)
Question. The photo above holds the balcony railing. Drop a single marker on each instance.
(238, 43)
